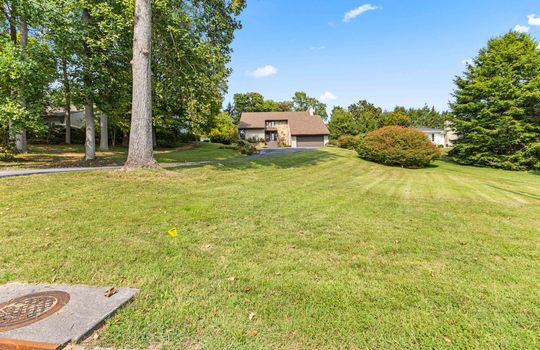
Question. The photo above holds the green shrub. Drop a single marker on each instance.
(7, 153)
(397, 145)
(348, 141)
(246, 148)
(225, 136)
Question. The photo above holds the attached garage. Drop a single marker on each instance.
(310, 141)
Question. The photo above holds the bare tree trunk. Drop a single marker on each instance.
(67, 93)
(20, 139)
(104, 138)
(141, 153)
(90, 144)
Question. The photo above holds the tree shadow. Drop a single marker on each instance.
(520, 193)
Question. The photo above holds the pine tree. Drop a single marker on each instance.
(497, 106)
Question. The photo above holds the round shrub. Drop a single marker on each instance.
(397, 145)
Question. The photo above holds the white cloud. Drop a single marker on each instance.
(467, 61)
(521, 29)
(352, 14)
(264, 72)
(534, 20)
(327, 96)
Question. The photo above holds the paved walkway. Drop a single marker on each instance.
(264, 153)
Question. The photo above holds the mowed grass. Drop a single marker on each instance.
(328, 252)
(54, 156)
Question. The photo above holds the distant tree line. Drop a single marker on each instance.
(363, 117)
(255, 102)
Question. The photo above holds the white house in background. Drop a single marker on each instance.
(440, 137)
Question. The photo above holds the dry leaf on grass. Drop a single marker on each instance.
(110, 292)
(448, 340)
(251, 315)
(252, 332)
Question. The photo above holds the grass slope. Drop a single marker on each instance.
(47, 156)
(327, 250)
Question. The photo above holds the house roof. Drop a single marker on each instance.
(300, 123)
(431, 130)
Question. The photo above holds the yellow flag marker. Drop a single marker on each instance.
(173, 232)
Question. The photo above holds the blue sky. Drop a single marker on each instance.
(390, 52)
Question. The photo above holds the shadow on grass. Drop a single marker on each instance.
(282, 161)
(520, 193)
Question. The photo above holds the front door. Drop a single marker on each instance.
(271, 139)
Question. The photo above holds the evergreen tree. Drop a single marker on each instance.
(497, 106)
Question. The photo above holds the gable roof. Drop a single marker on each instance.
(300, 123)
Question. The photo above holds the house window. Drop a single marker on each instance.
(270, 123)
(242, 133)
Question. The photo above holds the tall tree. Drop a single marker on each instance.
(342, 123)
(140, 153)
(497, 105)
(248, 102)
(21, 143)
(368, 117)
(26, 71)
(302, 102)
(90, 142)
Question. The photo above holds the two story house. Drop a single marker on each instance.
(294, 129)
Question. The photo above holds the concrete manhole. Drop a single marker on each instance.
(30, 308)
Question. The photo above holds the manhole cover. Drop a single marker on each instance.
(30, 308)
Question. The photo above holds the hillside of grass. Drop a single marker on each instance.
(313, 250)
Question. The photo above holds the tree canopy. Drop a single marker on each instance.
(80, 53)
(497, 105)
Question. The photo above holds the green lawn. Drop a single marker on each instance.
(328, 251)
(45, 156)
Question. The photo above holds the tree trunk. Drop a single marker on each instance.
(90, 144)
(104, 138)
(125, 139)
(67, 93)
(141, 153)
(13, 24)
(113, 139)
(20, 139)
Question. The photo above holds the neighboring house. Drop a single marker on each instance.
(440, 137)
(294, 129)
(58, 117)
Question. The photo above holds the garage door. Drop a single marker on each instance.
(309, 141)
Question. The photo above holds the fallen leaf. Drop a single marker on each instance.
(247, 289)
(251, 315)
(448, 340)
(253, 332)
(432, 274)
(231, 278)
(110, 292)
